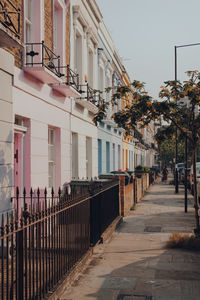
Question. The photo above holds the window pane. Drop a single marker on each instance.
(28, 9)
(51, 153)
(51, 156)
(51, 174)
(51, 136)
(55, 30)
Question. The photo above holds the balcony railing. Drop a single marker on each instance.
(72, 78)
(92, 95)
(10, 17)
(69, 87)
(38, 54)
(90, 98)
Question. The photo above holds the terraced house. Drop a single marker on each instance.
(56, 60)
(109, 75)
(35, 101)
(85, 20)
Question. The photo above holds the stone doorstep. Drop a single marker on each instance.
(69, 279)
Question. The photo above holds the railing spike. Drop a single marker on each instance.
(31, 194)
(2, 225)
(12, 222)
(24, 196)
(17, 191)
(52, 197)
(7, 223)
(45, 199)
(38, 199)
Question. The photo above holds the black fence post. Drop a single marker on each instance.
(20, 265)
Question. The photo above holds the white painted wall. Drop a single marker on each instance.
(84, 24)
(6, 130)
(85, 129)
(114, 138)
(36, 102)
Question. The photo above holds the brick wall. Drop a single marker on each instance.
(16, 51)
(48, 23)
(48, 30)
(129, 197)
(68, 36)
(126, 196)
(127, 192)
(139, 189)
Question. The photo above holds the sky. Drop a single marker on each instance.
(145, 33)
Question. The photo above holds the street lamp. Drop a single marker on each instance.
(176, 159)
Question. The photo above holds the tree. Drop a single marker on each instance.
(166, 140)
(179, 107)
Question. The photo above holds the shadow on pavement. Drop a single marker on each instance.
(173, 275)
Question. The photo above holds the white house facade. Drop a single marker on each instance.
(85, 19)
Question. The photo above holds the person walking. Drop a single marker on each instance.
(165, 174)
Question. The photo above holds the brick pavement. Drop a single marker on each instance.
(134, 264)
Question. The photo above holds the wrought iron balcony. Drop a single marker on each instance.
(9, 24)
(72, 78)
(92, 98)
(70, 85)
(42, 63)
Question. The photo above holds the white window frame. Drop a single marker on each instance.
(28, 21)
(91, 68)
(53, 160)
(78, 54)
(59, 29)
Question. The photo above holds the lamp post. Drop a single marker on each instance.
(176, 157)
(176, 149)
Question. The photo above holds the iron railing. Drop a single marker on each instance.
(40, 54)
(45, 236)
(92, 95)
(72, 78)
(104, 208)
(10, 17)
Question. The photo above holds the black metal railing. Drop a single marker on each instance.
(10, 17)
(92, 95)
(46, 235)
(104, 208)
(40, 54)
(72, 78)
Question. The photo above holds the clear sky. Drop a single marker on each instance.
(145, 33)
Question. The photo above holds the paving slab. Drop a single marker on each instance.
(135, 264)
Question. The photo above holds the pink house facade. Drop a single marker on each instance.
(41, 134)
(41, 103)
(55, 63)
(37, 111)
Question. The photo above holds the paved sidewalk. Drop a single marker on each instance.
(135, 265)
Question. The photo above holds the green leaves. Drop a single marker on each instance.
(179, 105)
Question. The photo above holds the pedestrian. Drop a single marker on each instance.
(165, 174)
